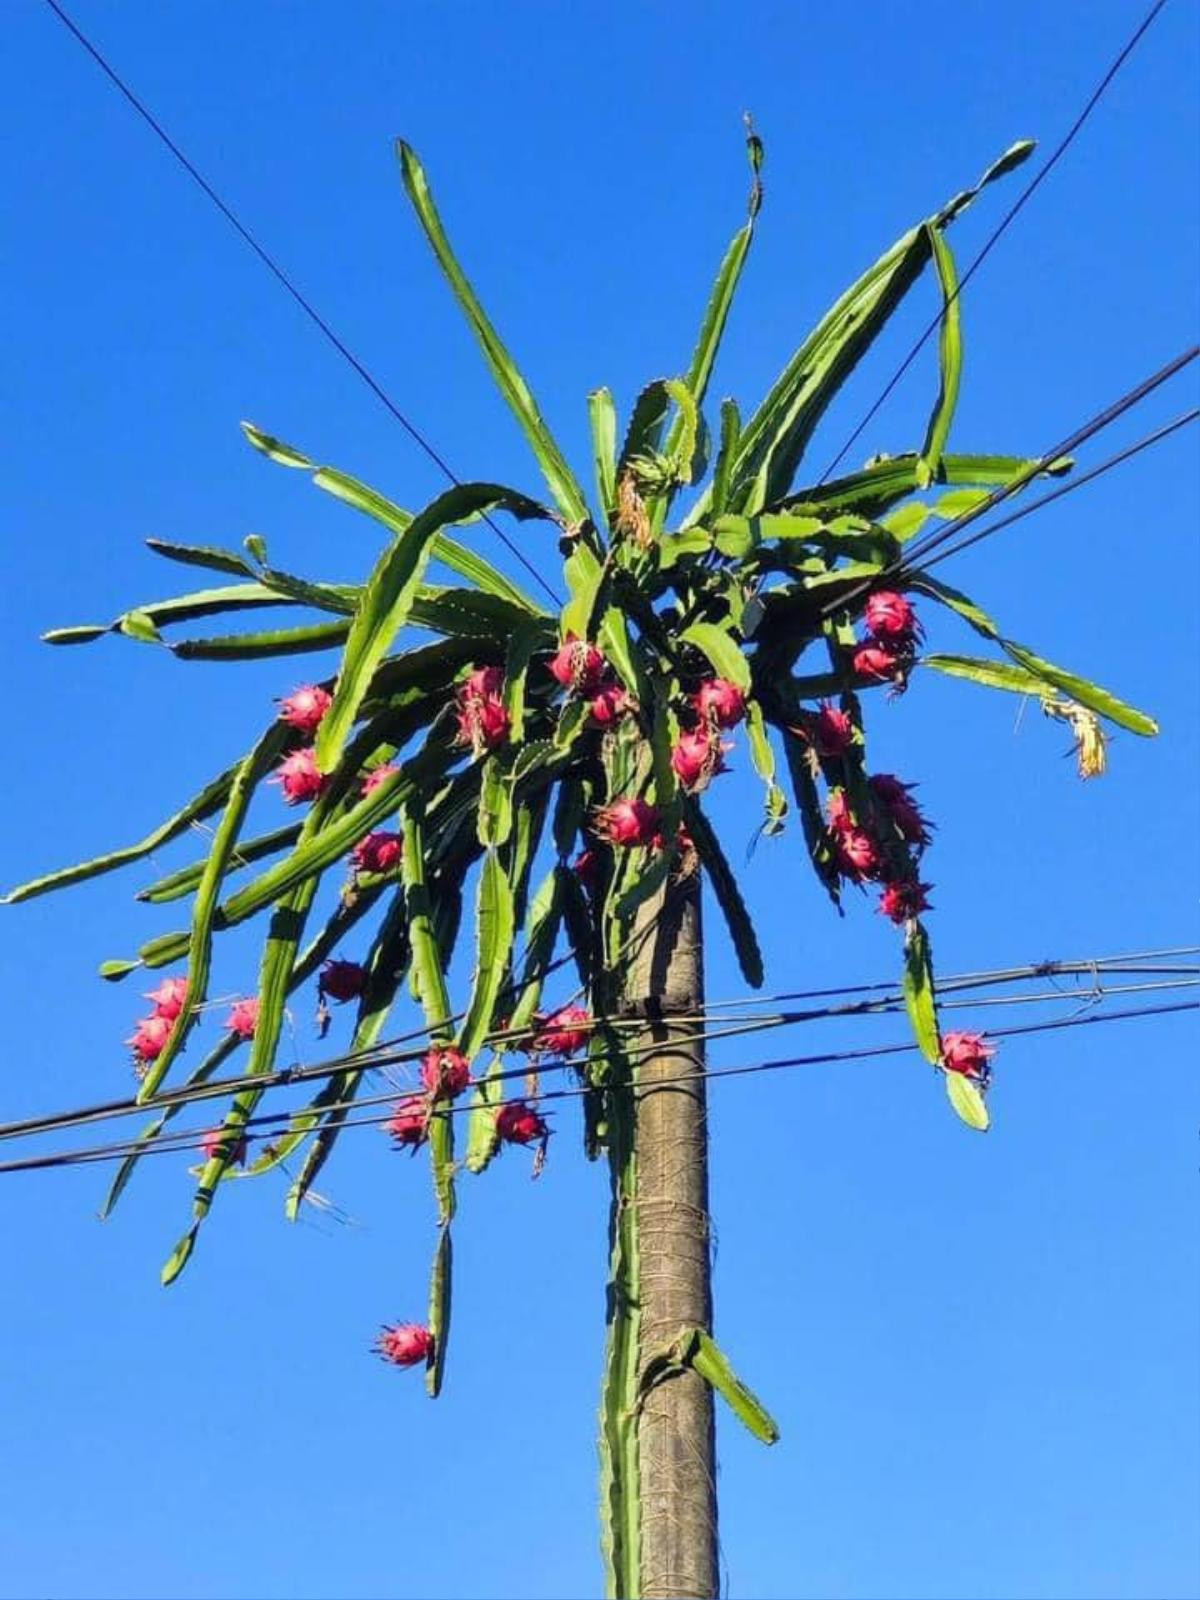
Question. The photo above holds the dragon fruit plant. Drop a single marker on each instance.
(718, 604)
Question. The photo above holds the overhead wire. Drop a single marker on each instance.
(1022, 199)
(722, 1027)
(380, 1054)
(381, 394)
(1069, 487)
(286, 282)
(373, 383)
(686, 1042)
(385, 1052)
(1124, 962)
(919, 549)
(170, 1144)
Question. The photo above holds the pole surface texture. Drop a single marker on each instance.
(676, 1443)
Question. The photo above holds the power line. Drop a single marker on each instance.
(1103, 419)
(381, 394)
(174, 1142)
(751, 1025)
(920, 548)
(1066, 488)
(1128, 962)
(286, 283)
(384, 1052)
(1026, 194)
(383, 1055)
(380, 1054)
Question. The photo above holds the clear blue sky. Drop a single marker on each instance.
(982, 1353)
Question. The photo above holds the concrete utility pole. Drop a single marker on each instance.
(675, 1429)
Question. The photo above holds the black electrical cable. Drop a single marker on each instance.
(1025, 195)
(286, 283)
(920, 549)
(1064, 489)
(171, 1143)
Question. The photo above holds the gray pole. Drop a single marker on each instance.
(675, 1429)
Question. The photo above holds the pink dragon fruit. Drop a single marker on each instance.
(698, 757)
(896, 799)
(629, 822)
(484, 683)
(856, 852)
(404, 1344)
(900, 901)
(968, 1053)
(878, 661)
(342, 980)
(841, 816)
(378, 852)
(483, 720)
(563, 1032)
(719, 701)
(409, 1122)
(377, 777)
(305, 708)
(243, 1018)
(169, 998)
(890, 616)
(579, 666)
(609, 704)
(214, 1143)
(829, 730)
(445, 1071)
(518, 1123)
(299, 777)
(149, 1038)
(586, 867)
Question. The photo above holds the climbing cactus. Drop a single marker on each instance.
(569, 749)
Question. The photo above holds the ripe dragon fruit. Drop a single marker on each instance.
(900, 901)
(829, 730)
(483, 683)
(216, 1140)
(903, 811)
(629, 822)
(378, 852)
(608, 705)
(879, 661)
(169, 998)
(149, 1038)
(378, 776)
(409, 1123)
(698, 757)
(243, 1018)
(445, 1071)
(586, 867)
(890, 616)
(299, 777)
(563, 1032)
(342, 980)
(579, 666)
(841, 815)
(404, 1344)
(857, 854)
(305, 708)
(719, 702)
(968, 1053)
(518, 1123)
(483, 720)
